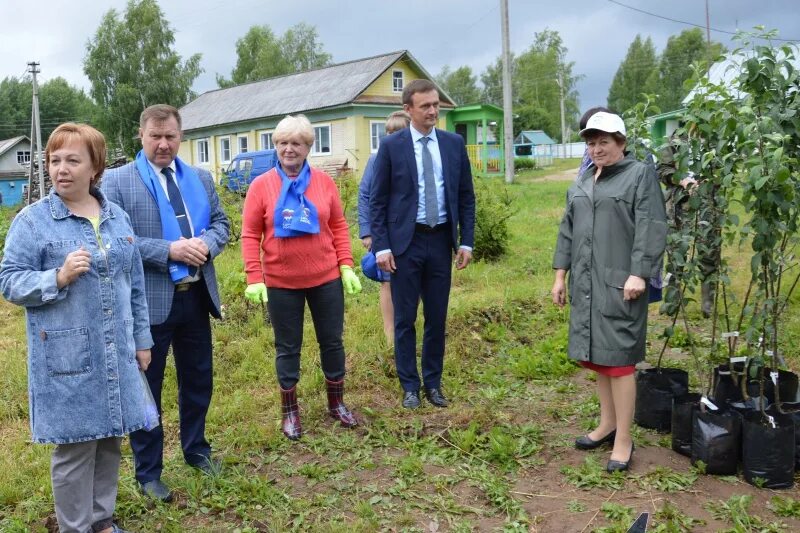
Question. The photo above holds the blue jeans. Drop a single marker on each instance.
(286, 308)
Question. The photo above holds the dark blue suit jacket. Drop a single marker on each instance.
(394, 196)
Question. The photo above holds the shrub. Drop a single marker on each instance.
(493, 209)
(524, 163)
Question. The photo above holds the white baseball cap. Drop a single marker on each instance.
(607, 122)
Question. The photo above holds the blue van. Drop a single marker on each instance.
(247, 166)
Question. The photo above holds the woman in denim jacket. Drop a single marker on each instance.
(70, 260)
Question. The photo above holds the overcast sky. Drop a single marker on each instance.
(597, 33)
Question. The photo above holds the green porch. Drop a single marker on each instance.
(481, 126)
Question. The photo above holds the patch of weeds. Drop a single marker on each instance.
(516, 526)
(671, 520)
(466, 439)
(566, 388)
(735, 511)
(410, 468)
(665, 441)
(544, 359)
(591, 474)
(787, 506)
(314, 471)
(495, 393)
(13, 525)
(613, 528)
(666, 479)
(365, 510)
(679, 337)
(574, 506)
(494, 332)
(617, 512)
(497, 491)
(502, 445)
(462, 526)
(700, 467)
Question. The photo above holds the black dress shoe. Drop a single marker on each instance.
(585, 443)
(208, 465)
(620, 466)
(436, 397)
(156, 490)
(411, 399)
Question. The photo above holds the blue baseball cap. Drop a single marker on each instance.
(369, 266)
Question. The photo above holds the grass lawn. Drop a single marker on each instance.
(499, 458)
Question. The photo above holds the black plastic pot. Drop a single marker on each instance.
(787, 385)
(726, 385)
(753, 403)
(717, 440)
(768, 452)
(793, 409)
(655, 389)
(683, 409)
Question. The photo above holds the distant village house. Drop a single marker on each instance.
(346, 103)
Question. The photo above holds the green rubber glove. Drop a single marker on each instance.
(350, 280)
(256, 293)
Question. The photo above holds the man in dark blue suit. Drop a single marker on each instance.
(422, 200)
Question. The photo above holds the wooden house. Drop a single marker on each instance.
(347, 105)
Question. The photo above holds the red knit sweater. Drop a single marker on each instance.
(295, 262)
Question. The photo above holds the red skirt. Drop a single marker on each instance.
(610, 371)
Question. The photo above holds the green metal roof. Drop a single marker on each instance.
(536, 137)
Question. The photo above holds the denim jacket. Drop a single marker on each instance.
(83, 378)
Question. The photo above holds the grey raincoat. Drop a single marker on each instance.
(611, 229)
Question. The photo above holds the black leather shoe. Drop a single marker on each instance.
(585, 443)
(208, 465)
(411, 399)
(620, 466)
(156, 490)
(436, 397)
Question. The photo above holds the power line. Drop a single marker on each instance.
(702, 26)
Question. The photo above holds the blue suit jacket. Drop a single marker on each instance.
(364, 190)
(394, 195)
(124, 187)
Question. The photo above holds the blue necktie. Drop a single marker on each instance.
(431, 202)
(176, 200)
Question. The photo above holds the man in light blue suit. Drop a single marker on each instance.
(180, 228)
(422, 210)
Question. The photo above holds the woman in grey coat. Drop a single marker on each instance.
(611, 240)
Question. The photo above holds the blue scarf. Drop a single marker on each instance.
(194, 196)
(295, 215)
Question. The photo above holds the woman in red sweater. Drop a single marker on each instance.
(296, 249)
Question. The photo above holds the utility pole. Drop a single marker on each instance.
(560, 81)
(36, 137)
(708, 38)
(508, 108)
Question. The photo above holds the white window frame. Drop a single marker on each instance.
(374, 143)
(315, 148)
(239, 144)
(222, 150)
(202, 150)
(263, 136)
(25, 160)
(395, 88)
